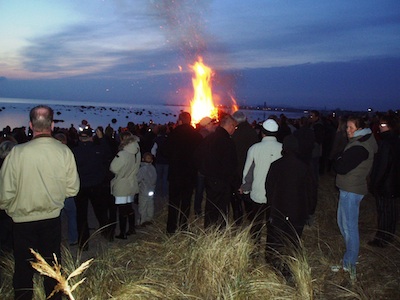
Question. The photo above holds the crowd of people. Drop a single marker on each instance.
(263, 175)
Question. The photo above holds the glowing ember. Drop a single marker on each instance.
(202, 104)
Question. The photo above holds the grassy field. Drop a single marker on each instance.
(214, 265)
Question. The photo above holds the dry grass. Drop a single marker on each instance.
(217, 264)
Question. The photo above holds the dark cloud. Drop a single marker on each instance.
(349, 85)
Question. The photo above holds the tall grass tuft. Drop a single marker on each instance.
(55, 272)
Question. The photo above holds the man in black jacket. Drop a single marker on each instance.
(182, 173)
(218, 163)
(244, 137)
(289, 188)
(385, 181)
(92, 159)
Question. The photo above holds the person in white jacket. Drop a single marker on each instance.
(259, 158)
(124, 186)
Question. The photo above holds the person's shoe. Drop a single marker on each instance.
(377, 243)
(121, 237)
(336, 268)
(352, 272)
(131, 231)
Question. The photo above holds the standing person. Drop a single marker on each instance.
(317, 126)
(385, 181)
(92, 159)
(244, 137)
(288, 186)
(181, 144)
(124, 186)
(69, 210)
(6, 240)
(259, 159)
(35, 179)
(162, 165)
(205, 127)
(218, 163)
(306, 140)
(352, 168)
(340, 140)
(147, 178)
(6, 223)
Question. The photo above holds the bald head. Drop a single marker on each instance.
(41, 119)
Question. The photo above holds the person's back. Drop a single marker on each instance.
(288, 187)
(259, 158)
(35, 179)
(181, 144)
(244, 137)
(92, 160)
(40, 161)
(182, 172)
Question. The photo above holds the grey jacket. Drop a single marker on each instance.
(355, 163)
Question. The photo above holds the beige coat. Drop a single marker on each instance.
(125, 166)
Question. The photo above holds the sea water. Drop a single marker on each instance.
(14, 112)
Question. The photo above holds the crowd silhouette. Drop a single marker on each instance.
(264, 175)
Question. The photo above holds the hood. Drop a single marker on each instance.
(132, 147)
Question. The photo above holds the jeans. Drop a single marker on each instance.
(347, 218)
(69, 211)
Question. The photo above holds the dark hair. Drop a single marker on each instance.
(41, 117)
(359, 122)
(185, 117)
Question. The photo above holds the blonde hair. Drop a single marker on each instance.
(126, 138)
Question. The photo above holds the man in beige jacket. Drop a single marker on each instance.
(35, 179)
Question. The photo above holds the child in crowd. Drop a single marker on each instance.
(147, 178)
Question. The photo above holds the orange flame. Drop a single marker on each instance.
(202, 104)
(235, 106)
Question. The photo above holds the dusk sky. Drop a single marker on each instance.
(303, 53)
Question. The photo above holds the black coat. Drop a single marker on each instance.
(244, 137)
(288, 187)
(385, 175)
(93, 161)
(217, 157)
(180, 147)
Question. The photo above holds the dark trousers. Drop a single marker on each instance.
(199, 194)
(315, 182)
(281, 237)
(180, 195)
(45, 238)
(98, 198)
(387, 209)
(126, 213)
(218, 197)
(237, 207)
(259, 218)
